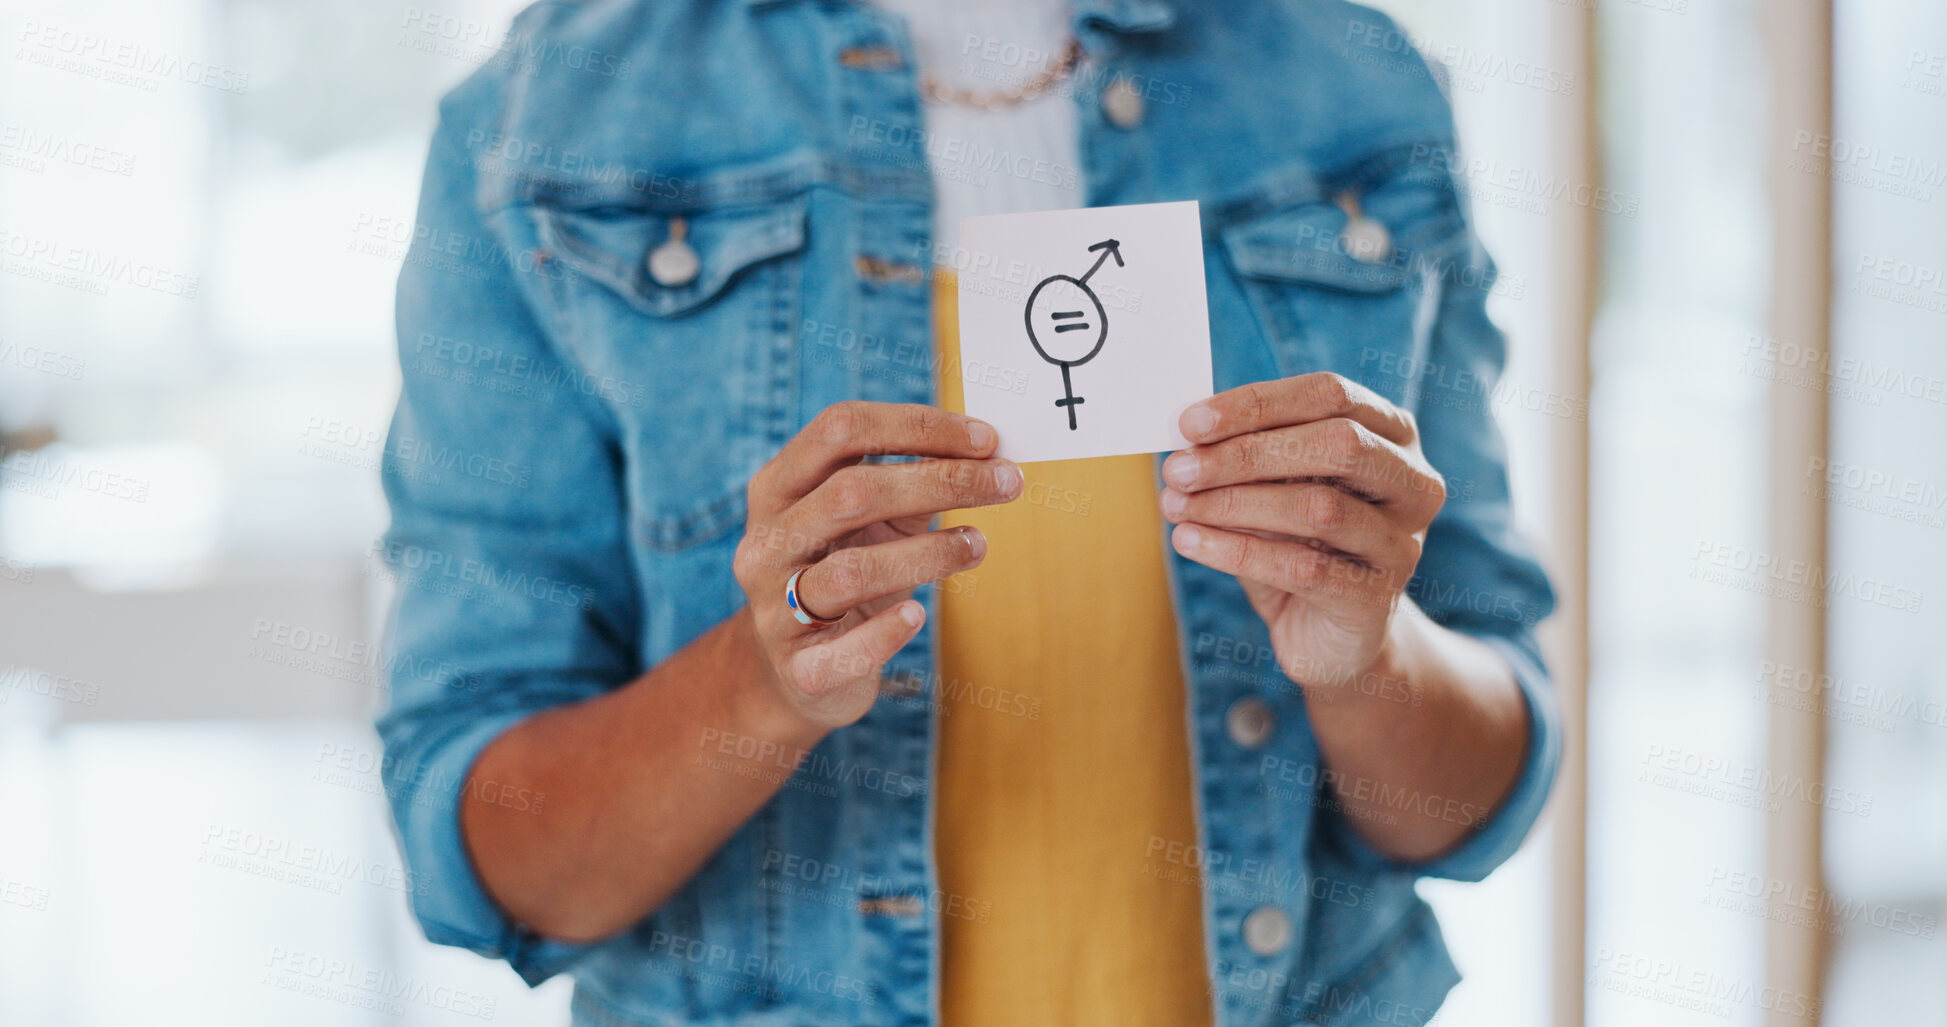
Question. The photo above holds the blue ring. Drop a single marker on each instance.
(797, 608)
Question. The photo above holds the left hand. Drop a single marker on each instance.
(1313, 491)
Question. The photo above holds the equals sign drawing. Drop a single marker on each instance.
(1062, 314)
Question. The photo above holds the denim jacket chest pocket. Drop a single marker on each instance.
(1355, 299)
(694, 351)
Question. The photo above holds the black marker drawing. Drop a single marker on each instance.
(1053, 307)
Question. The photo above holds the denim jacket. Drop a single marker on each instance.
(568, 463)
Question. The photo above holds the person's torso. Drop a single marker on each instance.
(782, 142)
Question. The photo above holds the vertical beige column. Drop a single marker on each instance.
(1575, 240)
(1798, 52)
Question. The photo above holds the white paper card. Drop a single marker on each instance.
(1108, 298)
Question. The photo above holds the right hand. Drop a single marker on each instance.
(860, 533)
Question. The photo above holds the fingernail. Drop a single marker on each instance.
(976, 542)
(1180, 469)
(1173, 503)
(1199, 421)
(1007, 478)
(980, 433)
(912, 613)
(1187, 538)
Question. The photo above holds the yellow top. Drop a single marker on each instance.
(1063, 754)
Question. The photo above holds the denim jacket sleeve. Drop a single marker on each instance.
(1476, 574)
(507, 544)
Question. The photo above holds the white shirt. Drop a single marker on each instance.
(1021, 158)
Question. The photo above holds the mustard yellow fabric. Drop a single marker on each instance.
(1063, 754)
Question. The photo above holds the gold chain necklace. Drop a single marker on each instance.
(939, 92)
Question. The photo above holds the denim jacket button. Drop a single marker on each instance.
(1267, 930)
(674, 263)
(1123, 104)
(1250, 722)
(1367, 241)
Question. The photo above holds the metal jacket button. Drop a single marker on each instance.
(1367, 241)
(675, 262)
(1122, 102)
(1250, 722)
(1267, 930)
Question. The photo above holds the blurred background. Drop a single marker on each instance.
(1722, 226)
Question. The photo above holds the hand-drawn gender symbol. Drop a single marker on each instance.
(1054, 303)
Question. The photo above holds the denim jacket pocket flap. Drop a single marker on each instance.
(701, 251)
(1306, 243)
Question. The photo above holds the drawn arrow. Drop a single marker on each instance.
(1109, 248)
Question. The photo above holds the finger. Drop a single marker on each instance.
(854, 497)
(858, 575)
(1340, 452)
(824, 670)
(1313, 511)
(844, 433)
(1298, 400)
(1292, 567)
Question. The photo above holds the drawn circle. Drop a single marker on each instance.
(1062, 294)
